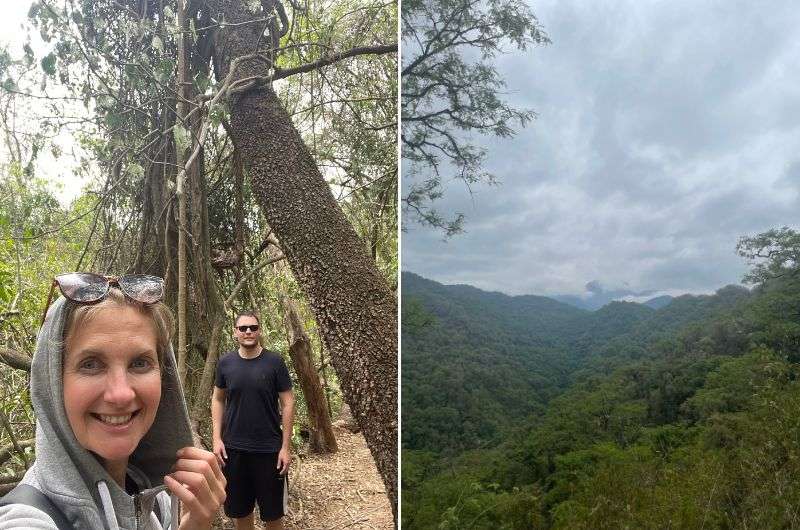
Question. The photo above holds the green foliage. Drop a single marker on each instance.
(451, 88)
(468, 496)
(415, 317)
(772, 254)
(49, 64)
(347, 114)
(32, 251)
(681, 417)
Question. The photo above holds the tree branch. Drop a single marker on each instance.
(244, 279)
(14, 359)
(7, 451)
(325, 61)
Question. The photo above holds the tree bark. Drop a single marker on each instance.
(181, 195)
(322, 438)
(15, 359)
(351, 301)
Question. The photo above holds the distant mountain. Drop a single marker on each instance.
(589, 304)
(659, 301)
(596, 296)
(482, 360)
(612, 320)
(482, 315)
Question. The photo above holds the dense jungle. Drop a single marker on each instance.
(525, 412)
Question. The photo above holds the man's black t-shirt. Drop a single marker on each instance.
(252, 421)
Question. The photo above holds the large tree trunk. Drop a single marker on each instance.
(351, 301)
(322, 438)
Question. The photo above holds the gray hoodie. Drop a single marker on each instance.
(71, 476)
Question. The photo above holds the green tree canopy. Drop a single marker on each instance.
(450, 87)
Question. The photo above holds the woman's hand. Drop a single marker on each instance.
(198, 482)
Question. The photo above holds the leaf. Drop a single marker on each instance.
(169, 15)
(253, 6)
(29, 55)
(33, 12)
(157, 44)
(217, 113)
(181, 137)
(49, 64)
(135, 170)
(99, 23)
(164, 70)
(113, 120)
(105, 101)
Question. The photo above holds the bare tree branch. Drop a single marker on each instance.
(325, 61)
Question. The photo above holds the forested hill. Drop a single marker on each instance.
(476, 362)
(523, 412)
(476, 315)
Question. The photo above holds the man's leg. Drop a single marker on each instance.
(274, 525)
(245, 523)
(240, 497)
(270, 491)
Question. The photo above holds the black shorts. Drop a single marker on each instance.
(254, 477)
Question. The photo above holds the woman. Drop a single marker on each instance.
(112, 430)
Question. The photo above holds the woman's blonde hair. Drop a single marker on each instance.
(160, 315)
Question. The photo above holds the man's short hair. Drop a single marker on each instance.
(246, 314)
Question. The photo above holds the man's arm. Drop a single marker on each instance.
(217, 413)
(287, 419)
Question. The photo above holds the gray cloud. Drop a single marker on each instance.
(666, 131)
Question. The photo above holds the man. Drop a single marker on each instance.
(247, 435)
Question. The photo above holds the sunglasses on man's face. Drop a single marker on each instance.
(90, 288)
(244, 329)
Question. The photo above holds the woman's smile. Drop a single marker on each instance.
(115, 420)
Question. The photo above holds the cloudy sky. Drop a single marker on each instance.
(666, 130)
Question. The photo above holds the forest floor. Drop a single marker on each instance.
(335, 492)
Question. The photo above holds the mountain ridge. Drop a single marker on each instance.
(592, 303)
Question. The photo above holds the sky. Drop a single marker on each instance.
(14, 13)
(666, 131)
(59, 172)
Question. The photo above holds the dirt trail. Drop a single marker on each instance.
(336, 492)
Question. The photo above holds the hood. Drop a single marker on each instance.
(68, 473)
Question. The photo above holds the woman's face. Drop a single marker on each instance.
(112, 381)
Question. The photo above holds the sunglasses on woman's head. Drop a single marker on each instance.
(90, 288)
(244, 329)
